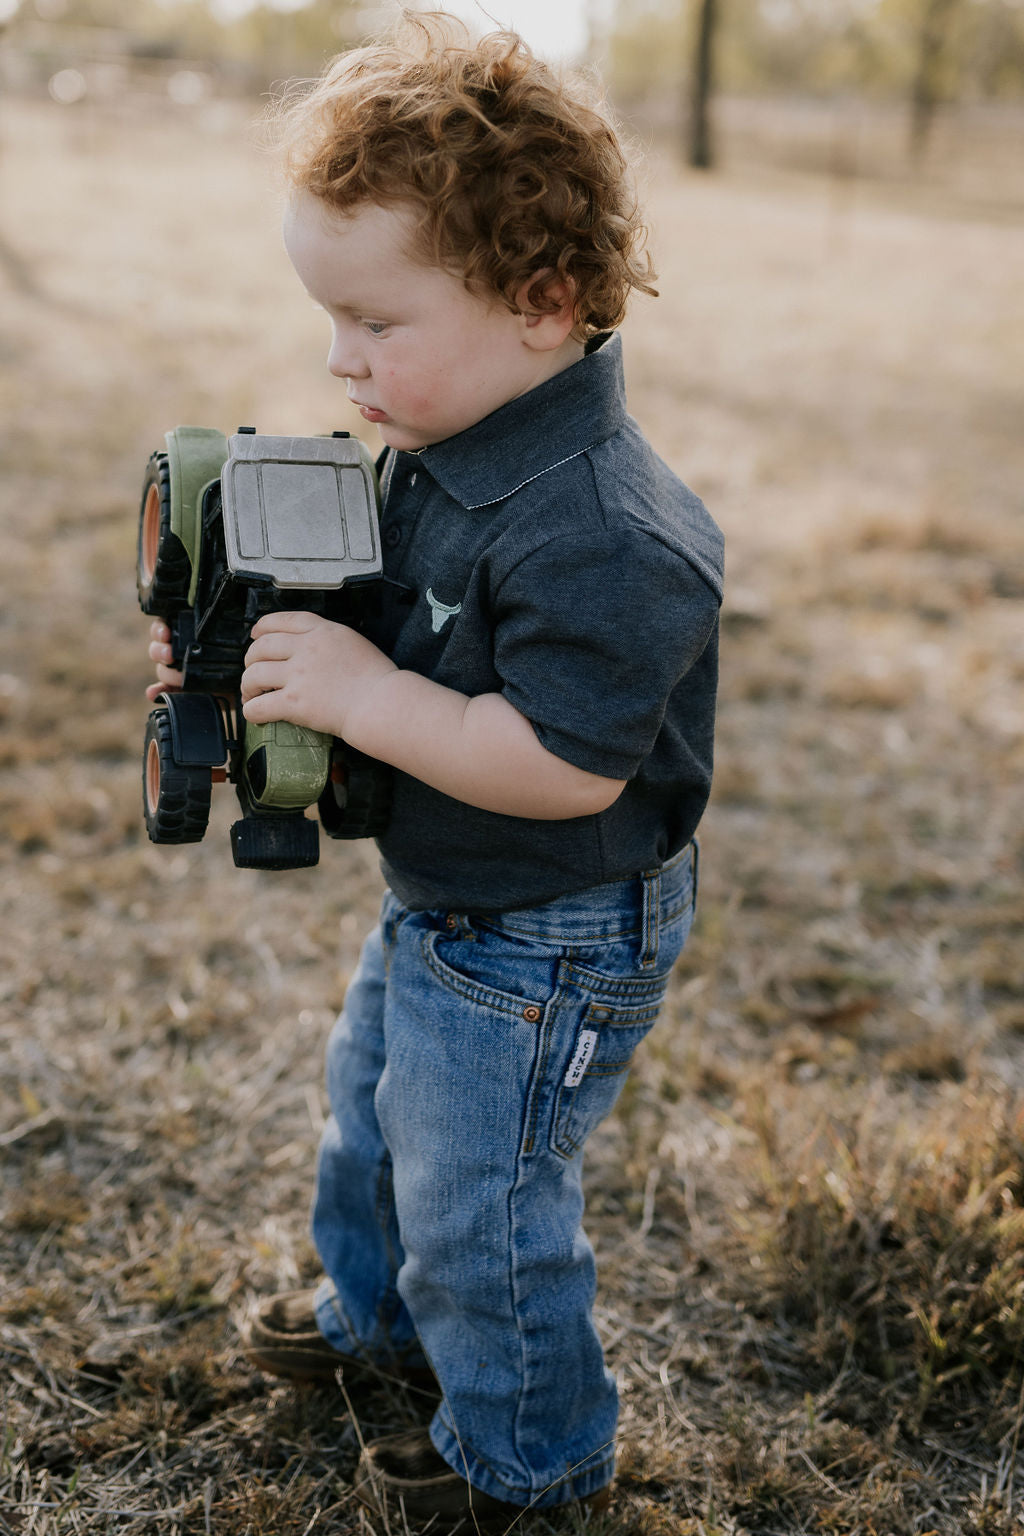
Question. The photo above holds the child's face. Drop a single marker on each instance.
(423, 357)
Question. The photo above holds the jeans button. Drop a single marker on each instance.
(532, 1014)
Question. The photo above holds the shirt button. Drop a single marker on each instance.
(392, 535)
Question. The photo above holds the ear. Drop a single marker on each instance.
(544, 330)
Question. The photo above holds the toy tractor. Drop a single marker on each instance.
(229, 529)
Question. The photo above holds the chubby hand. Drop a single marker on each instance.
(169, 678)
(309, 671)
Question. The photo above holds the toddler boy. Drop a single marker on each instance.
(541, 677)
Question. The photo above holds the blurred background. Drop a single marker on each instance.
(845, 87)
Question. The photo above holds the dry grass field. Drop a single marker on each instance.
(809, 1206)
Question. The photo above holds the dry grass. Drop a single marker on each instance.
(808, 1207)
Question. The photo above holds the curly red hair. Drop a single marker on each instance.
(517, 171)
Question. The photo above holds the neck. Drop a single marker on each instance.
(556, 361)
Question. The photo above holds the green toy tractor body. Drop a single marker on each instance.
(230, 529)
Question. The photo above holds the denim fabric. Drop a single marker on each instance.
(472, 1060)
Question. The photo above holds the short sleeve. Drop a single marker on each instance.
(591, 639)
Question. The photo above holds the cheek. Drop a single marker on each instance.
(416, 390)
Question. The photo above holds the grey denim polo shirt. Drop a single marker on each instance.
(549, 555)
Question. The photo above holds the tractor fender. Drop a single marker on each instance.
(195, 457)
(198, 737)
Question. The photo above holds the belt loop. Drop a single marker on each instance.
(459, 925)
(651, 918)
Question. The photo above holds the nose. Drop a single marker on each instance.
(345, 359)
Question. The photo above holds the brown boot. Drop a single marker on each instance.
(403, 1476)
(281, 1337)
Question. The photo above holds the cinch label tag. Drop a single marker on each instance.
(584, 1050)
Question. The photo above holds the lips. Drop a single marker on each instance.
(370, 412)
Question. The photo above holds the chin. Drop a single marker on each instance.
(406, 438)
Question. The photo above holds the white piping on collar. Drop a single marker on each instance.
(474, 506)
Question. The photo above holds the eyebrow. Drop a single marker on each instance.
(375, 310)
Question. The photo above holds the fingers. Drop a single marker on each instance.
(160, 652)
(263, 708)
(262, 677)
(272, 642)
(289, 621)
(169, 680)
(159, 643)
(274, 645)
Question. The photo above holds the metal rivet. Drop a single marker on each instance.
(531, 1014)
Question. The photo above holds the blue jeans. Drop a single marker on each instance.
(472, 1060)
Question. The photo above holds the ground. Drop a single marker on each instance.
(808, 1205)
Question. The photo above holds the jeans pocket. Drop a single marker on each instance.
(507, 978)
(593, 1075)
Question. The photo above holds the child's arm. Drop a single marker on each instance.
(479, 750)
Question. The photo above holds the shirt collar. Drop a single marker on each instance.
(563, 417)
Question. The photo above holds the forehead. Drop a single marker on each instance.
(391, 227)
(371, 242)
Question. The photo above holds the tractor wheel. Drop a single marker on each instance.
(163, 571)
(176, 799)
(357, 800)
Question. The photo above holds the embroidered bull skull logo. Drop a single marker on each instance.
(440, 613)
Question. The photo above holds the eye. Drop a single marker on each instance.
(375, 327)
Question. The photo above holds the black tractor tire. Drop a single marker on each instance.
(176, 799)
(357, 800)
(163, 573)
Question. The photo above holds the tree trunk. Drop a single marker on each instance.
(701, 150)
(924, 94)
